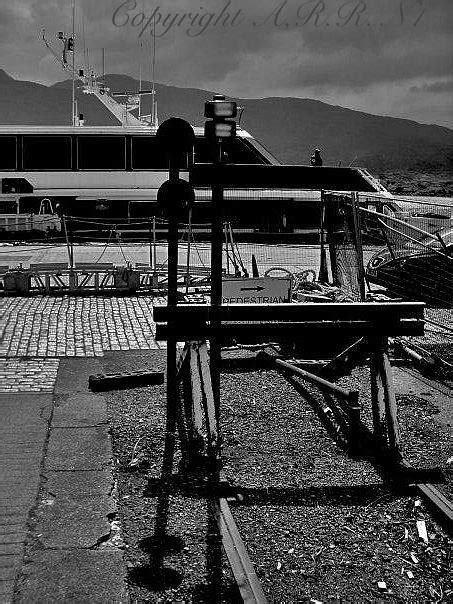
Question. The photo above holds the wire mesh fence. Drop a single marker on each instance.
(415, 260)
(411, 247)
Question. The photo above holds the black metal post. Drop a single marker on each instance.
(172, 382)
(216, 281)
(361, 276)
(177, 138)
(173, 242)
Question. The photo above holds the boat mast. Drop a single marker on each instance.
(140, 81)
(153, 91)
(73, 65)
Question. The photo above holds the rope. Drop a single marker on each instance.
(197, 250)
(105, 248)
(118, 239)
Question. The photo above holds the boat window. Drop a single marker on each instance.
(147, 155)
(236, 151)
(47, 153)
(8, 153)
(101, 152)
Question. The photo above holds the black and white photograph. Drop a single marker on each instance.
(226, 301)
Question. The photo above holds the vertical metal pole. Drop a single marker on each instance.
(153, 92)
(73, 64)
(150, 240)
(189, 238)
(323, 270)
(331, 220)
(358, 245)
(216, 282)
(154, 244)
(226, 248)
(173, 244)
(70, 255)
(172, 382)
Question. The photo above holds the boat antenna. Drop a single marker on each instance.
(140, 80)
(84, 42)
(73, 108)
(154, 120)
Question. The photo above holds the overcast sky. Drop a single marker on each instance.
(390, 57)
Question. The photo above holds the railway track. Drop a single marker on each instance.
(235, 548)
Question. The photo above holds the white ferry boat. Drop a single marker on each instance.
(116, 171)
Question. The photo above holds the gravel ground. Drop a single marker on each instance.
(318, 524)
(424, 421)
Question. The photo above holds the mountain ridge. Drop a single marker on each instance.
(290, 127)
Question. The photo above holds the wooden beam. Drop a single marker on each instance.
(340, 311)
(384, 409)
(210, 413)
(197, 393)
(345, 362)
(289, 329)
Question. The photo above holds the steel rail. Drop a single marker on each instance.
(435, 497)
(241, 565)
(434, 384)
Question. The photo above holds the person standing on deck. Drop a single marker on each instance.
(316, 159)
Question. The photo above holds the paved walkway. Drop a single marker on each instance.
(23, 434)
(59, 538)
(75, 327)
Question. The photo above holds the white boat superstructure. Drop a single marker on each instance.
(98, 163)
(79, 168)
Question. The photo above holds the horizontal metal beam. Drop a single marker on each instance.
(285, 177)
(341, 311)
(352, 396)
(290, 329)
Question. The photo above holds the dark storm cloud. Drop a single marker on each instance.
(435, 87)
(249, 48)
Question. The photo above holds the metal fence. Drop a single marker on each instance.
(415, 241)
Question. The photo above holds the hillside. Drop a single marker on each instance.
(291, 128)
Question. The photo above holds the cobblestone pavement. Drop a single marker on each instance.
(24, 375)
(72, 327)
(36, 332)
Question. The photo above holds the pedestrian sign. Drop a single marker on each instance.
(261, 290)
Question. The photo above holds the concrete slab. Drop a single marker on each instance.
(79, 449)
(23, 433)
(409, 382)
(73, 375)
(74, 576)
(74, 509)
(79, 410)
(79, 485)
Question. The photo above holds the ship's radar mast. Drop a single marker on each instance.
(93, 84)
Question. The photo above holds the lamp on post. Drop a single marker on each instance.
(219, 127)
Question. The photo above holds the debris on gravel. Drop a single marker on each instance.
(319, 524)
